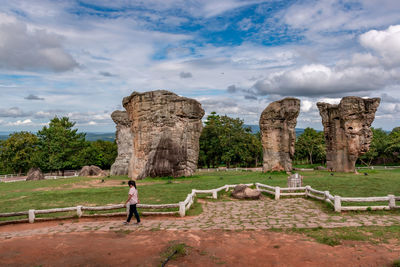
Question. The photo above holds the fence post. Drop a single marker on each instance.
(226, 188)
(307, 190)
(31, 216)
(277, 192)
(392, 201)
(182, 209)
(79, 211)
(214, 194)
(326, 195)
(338, 204)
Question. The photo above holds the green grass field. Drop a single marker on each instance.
(21, 196)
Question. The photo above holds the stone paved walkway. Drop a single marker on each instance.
(232, 215)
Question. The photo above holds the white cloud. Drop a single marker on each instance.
(306, 105)
(213, 8)
(185, 75)
(317, 80)
(24, 49)
(138, 46)
(386, 43)
(362, 74)
(33, 97)
(13, 112)
(20, 122)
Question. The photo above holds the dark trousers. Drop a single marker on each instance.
(133, 210)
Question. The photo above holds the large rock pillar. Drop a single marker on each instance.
(277, 127)
(124, 139)
(166, 130)
(347, 130)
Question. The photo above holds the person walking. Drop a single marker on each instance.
(132, 200)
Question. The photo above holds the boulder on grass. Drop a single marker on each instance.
(320, 168)
(93, 171)
(35, 174)
(242, 191)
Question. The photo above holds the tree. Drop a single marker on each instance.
(60, 145)
(311, 145)
(18, 151)
(377, 150)
(226, 140)
(100, 153)
(393, 145)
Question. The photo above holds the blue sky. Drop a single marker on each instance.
(80, 58)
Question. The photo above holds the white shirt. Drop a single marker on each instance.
(134, 198)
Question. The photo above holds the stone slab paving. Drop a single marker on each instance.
(231, 215)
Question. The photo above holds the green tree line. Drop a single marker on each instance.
(56, 147)
(224, 141)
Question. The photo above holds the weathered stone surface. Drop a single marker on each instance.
(124, 139)
(347, 130)
(35, 174)
(242, 191)
(277, 127)
(92, 170)
(166, 130)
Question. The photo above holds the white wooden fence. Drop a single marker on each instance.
(225, 169)
(278, 192)
(47, 177)
(335, 201)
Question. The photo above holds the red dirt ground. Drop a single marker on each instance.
(207, 248)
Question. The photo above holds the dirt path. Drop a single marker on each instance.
(221, 215)
(232, 233)
(206, 248)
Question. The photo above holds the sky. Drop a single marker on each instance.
(80, 58)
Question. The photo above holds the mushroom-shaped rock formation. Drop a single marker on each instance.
(347, 130)
(124, 139)
(277, 127)
(166, 130)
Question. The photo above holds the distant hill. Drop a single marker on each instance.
(256, 129)
(4, 135)
(89, 136)
(100, 136)
(93, 136)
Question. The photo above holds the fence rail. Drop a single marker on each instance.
(5, 178)
(184, 206)
(335, 201)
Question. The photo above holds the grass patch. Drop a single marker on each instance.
(45, 194)
(123, 231)
(195, 209)
(335, 236)
(396, 263)
(173, 251)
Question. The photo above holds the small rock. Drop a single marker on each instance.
(320, 168)
(92, 171)
(35, 174)
(242, 191)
